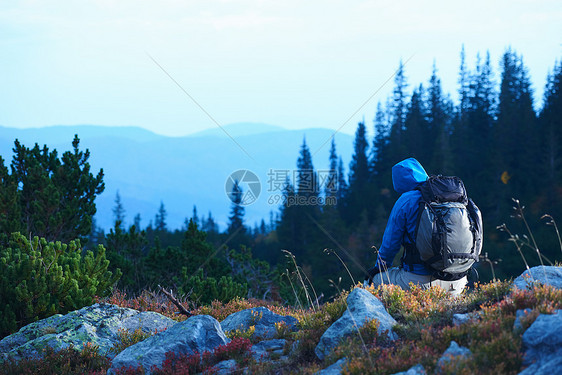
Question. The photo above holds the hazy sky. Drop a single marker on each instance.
(290, 63)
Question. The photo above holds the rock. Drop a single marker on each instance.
(459, 319)
(197, 334)
(261, 318)
(334, 369)
(228, 366)
(263, 349)
(518, 315)
(362, 307)
(549, 275)
(453, 353)
(98, 324)
(416, 370)
(549, 366)
(542, 343)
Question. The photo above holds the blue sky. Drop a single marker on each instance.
(291, 63)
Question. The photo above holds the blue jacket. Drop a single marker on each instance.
(406, 176)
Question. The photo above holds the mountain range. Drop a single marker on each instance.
(182, 172)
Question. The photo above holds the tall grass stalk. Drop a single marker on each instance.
(330, 251)
(519, 213)
(301, 280)
(552, 222)
(515, 240)
(294, 290)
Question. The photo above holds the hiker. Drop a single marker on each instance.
(433, 204)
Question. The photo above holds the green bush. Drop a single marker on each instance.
(39, 279)
(204, 290)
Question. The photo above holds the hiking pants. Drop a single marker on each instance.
(402, 278)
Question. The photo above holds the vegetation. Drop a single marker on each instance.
(40, 278)
(425, 329)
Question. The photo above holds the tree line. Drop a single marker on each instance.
(492, 138)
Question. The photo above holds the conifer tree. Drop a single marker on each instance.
(550, 121)
(237, 211)
(160, 218)
(516, 132)
(55, 196)
(118, 210)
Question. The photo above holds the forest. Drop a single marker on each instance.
(500, 140)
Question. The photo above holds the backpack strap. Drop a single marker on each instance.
(411, 254)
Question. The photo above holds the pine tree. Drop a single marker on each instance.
(118, 211)
(516, 132)
(439, 126)
(307, 180)
(359, 188)
(194, 216)
(417, 133)
(160, 218)
(237, 211)
(331, 187)
(398, 109)
(56, 198)
(550, 121)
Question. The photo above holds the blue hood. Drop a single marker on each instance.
(407, 174)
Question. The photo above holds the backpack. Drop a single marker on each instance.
(448, 237)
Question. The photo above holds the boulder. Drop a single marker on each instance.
(519, 314)
(362, 307)
(459, 319)
(454, 353)
(415, 370)
(225, 367)
(264, 349)
(334, 369)
(549, 275)
(197, 334)
(261, 318)
(97, 324)
(542, 343)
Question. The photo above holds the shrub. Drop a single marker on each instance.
(64, 362)
(40, 278)
(126, 338)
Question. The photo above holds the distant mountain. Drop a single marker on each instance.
(238, 129)
(147, 168)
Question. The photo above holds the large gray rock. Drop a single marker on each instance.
(549, 275)
(542, 343)
(362, 307)
(97, 324)
(197, 334)
(261, 318)
(455, 354)
(334, 369)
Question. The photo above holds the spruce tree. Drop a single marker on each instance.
(237, 211)
(118, 211)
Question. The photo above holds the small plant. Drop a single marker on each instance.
(240, 333)
(67, 361)
(126, 338)
(283, 331)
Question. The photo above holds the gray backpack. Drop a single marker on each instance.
(448, 236)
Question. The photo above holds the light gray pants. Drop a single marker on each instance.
(398, 276)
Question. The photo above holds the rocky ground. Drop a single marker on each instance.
(275, 340)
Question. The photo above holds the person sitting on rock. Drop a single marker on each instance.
(407, 176)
